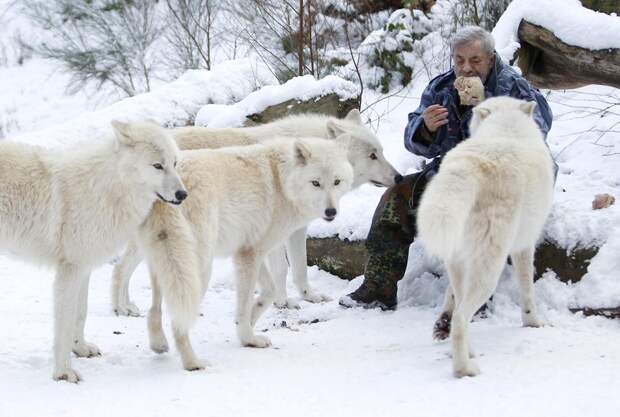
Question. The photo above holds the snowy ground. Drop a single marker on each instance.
(351, 362)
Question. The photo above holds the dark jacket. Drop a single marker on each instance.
(502, 81)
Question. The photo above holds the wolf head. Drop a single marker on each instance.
(365, 153)
(511, 110)
(150, 153)
(315, 176)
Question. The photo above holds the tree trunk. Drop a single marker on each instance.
(548, 62)
(300, 43)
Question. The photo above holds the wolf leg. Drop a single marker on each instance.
(278, 267)
(479, 281)
(266, 296)
(524, 268)
(184, 346)
(157, 337)
(81, 348)
(298, 255)
(247, 269)
(66, 293)
(441, 328)
(124, 268)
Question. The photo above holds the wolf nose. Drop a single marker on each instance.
(330, 212)
(180, 195)
(398, 178)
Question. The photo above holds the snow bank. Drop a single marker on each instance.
(298, 88)
(567, 19)
(171, 104)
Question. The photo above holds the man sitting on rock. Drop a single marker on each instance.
(439, 123)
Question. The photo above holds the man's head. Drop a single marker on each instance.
(473, 52)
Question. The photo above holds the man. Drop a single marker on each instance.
(439, 123)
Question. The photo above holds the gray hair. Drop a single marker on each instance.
(469, 34)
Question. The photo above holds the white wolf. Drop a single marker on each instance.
(74, 209)
(364, 153)
(243, 201)
(489, 200)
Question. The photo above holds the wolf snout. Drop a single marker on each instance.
(330, 214)
(180, 195)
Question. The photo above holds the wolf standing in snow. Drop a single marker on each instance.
(243, 202)
(365, 154)
(74, 210)
(489, 200)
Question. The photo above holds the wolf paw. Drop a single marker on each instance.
(289, 303)
(468, 369)
(129, 310)
(257, 341)
(533, 322)
(441, 328)
(86, 350)
(314, 297)
(68, 375)
(159, 344)
(195, 365)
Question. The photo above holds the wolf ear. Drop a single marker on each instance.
(333, 130)
(481, 112)
(354, 116)
(344, 140)
(302, 153)
(528, 107)
(123, 132)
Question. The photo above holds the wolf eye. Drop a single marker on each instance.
(336, 182)
(316, 183)
(175, 164)
(158, 166)
(373, 156)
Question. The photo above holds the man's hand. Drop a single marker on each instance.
(435, 116)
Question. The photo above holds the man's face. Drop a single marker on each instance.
(470, 60)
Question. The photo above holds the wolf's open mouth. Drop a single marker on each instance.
(377, 183)
(175, 202)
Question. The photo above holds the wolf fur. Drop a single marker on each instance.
(243, 202)
(73, 210)
(489, 200)
(364, 153)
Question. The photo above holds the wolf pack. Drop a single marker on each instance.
(179, 198)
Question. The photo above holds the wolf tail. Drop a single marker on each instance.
(173, 264)
(444, 209)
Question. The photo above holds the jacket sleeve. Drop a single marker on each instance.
(542, 113)
(414, 140)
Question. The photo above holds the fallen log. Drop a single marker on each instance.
(610, 313)
(548, 62)
(347, 259)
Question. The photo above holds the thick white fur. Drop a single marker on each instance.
(74, 209)
(243, 202)
(489, 200)
(365, 154)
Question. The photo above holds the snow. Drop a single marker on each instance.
(172, 104)
(327, 360)
(567, 19)
(299, 88)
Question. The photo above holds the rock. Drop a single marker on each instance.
(329, 104)
(602, 201)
